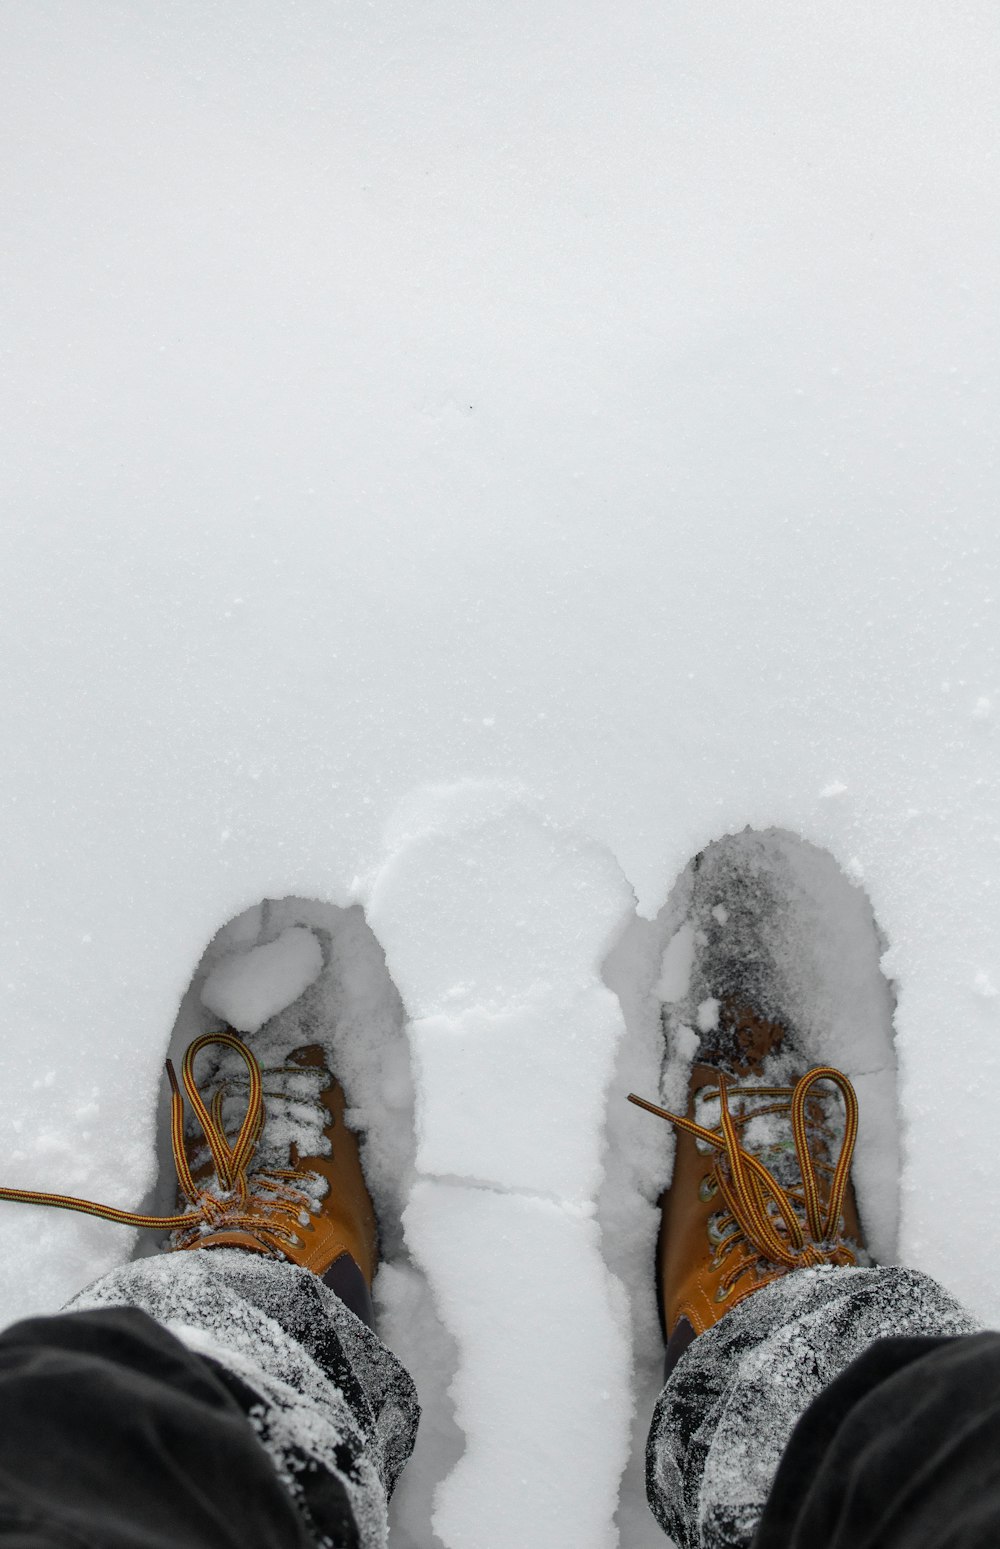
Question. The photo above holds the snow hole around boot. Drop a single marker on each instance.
(769, 915)
(322, 967)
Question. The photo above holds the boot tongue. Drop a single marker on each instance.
(754, 1051)
(767, 1135)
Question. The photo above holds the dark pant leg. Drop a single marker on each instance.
(333, 1408)
(113, 1435)
(731, 1405)
(902, 1451)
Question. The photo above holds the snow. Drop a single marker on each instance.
(246, 989)
(512, 1064)
(458, 464)
(676, 964)
(535, 1366)
(707, 1014)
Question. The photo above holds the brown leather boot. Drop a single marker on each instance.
(268, 1165)
(287, 1182)
(761, 1180)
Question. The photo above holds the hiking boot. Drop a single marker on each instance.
(761, 1181)
(284, 1181)
(268, 1164)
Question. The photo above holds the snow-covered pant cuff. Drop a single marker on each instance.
(732, 1402)
(331, 1395)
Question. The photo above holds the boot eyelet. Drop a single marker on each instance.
(714, 1229)
(723, 1293)
(707, 1188)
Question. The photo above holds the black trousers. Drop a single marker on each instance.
(902, 1451)
(113, 1435)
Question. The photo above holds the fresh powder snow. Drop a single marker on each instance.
(248, 989)
(460, 464)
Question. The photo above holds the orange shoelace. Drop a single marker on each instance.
(746, 1185)
(235, 1206)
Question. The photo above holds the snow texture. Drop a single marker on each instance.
(533, 1365)
(495, 925)
(247, 989)
(459, 463)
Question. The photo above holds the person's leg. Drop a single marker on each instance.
(273, 1244)
(766, 1287)
(902, 1451)
(333, 1408)
(115, 1435)
(201, 1399)
(734, 1398)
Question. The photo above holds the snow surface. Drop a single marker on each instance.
(458, 462)
(246, 989)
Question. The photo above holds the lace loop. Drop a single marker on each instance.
(746, 1185)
